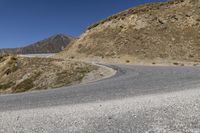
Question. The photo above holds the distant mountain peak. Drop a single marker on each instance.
(53, 44)
(61, 35)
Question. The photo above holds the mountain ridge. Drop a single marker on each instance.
(53, 44)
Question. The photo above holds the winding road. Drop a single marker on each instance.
(137, 99)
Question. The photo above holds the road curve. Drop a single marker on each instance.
(101, 106)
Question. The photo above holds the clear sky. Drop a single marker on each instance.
(23, 22)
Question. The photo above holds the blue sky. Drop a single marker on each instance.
(23, 22)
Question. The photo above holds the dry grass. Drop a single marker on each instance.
(23, 74)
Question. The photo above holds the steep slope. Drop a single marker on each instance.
(53, 44)
(162, 31)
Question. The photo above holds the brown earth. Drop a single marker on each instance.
(20, 74)
(152, 33)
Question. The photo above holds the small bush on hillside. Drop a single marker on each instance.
(175, 63)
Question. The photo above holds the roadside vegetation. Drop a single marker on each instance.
(20, 74)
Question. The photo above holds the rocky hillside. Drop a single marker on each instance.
(53, 44)
(167, 31)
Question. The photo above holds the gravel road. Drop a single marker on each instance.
(138, 99)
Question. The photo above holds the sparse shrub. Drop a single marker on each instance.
(6, 86)
(25, 85)
(175, 63)
(153, 63)
(80, 46)
(191, 56)
(198, 19)
(127, 61)
(8, 71)
(160, 21)
(121, 27)
(3, 58)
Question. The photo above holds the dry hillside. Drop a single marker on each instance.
(19, 74)
(167, 31)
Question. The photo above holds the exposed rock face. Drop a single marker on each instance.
(169, 30)
(53, 44)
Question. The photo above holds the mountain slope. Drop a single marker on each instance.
(53, 44)
(160, 31)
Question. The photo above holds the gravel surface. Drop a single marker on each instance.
(171, 113)
(137, 99)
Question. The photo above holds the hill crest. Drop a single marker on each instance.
(160, 31)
